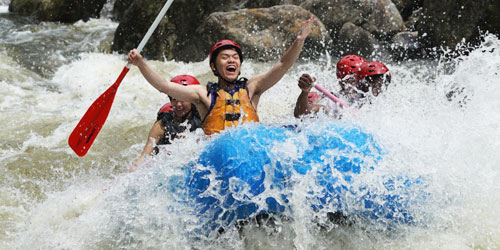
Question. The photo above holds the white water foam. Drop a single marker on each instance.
(4, 9)
(433, 121)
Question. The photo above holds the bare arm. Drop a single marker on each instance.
(154, 136)
(260, 83)
(301, 106)
(191, 93)
(304, 108)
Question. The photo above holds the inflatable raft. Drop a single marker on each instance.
(258, 169)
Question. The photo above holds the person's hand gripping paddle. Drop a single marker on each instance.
(91, 123)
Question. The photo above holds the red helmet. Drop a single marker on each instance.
(166, 108)
(312, 96)
(349, 65)
(185, 80)
(224, 44)
(372, 68)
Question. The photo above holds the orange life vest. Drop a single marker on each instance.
(228, 109)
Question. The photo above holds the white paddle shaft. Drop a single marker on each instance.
(153, 27)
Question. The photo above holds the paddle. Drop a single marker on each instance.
(91, 123)
(329, 95)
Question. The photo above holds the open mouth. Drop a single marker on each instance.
(231, 68)
(180, 112)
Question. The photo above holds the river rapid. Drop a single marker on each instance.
(438, 118)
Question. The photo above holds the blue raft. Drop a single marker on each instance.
(256, 169)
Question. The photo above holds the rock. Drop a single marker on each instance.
(264, 33)
(65, 11)
(447, 22)
(356, 40)
(175, 38)
(119, 8)
(252, 4)
(407, 7)
(334, 14)
(405, 45)
(134, 25)
(492, 21)
(379, 17)
(412, 21)
(384, 19)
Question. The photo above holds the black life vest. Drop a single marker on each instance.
(172, 128)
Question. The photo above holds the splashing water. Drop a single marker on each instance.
(437, 120)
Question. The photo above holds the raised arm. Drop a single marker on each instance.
(186, 93)
(260, 83)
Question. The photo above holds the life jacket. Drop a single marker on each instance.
(172, 128)
(228, 109)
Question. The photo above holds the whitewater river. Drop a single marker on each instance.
(440, 120)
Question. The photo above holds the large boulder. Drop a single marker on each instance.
(337, 12)
(264, 33)
(119, 8)
(66, 11)
(491, 22)
(379, 17)
(356, 40)
(407, 7)
(252, 4)
(411, 21)
(175, 33)
(384, 19)
(406, 45)
(447, 22)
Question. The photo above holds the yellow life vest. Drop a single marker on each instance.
(228, 109)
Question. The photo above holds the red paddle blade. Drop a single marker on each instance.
(91, 123)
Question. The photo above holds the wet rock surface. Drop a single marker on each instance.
(400, 28)
(65, 11)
